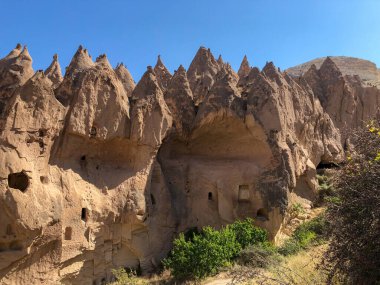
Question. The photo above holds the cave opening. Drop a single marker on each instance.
(262, 214)
(18, 180)
(41, 133)
(209, 196)
(84, 215)
(327, 165)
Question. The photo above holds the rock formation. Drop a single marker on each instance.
(98, 173)
(53, 72)
(244, 68)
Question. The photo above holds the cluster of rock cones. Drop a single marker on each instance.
(97, 172)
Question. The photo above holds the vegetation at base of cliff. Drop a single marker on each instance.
(125, 277)
(205, 253)
(353, 215)
(307, 234)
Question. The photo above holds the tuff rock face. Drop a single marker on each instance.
(97, 173)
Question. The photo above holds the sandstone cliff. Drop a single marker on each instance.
(97, 172)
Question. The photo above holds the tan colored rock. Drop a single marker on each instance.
(98, 173)
(53, 72)
(162, 74)
(201, 74)
(79, 63)
(347, 100)
(367, 70)
(126, 78)
(15, 70)
(179, 99)
(244, 68)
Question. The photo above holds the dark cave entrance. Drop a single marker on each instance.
(84, 214)
(18, 180)
(262, 214)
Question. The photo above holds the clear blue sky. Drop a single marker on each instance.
(287, 32)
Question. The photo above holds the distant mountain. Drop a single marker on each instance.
(366, 69)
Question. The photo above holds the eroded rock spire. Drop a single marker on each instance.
(162, 74)
(201, 74)
(244, 68)
(53, 72)
(126, 78)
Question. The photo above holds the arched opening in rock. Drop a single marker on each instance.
(18, 180)
(210, 196)
(68, 233)
(196, 108)
(83, 158)
(152, 199)
(84, 215)
(262, 214)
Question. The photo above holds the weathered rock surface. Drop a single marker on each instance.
(366, 69)
(347, 100)
(126, 78)
(97, 173)
(53, 72)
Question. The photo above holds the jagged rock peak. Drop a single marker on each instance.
(159, 61)
(162, 73)
(14, 52)
(147, 86)
(53, 72)
(272, 72)
(201, 73)
(220, 61)
(203, 57)
(126, 78)
(329, 68)
(25, 54)
(79, 62)
(244, 67)
(102, 60)
(181, 70)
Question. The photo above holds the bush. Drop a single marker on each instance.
(247, 234)
(353, 215)
(205, 253)
(309, 233)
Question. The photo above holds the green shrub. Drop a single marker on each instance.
(297, 209)
(310, 232)
(204, 253)
(247, 233)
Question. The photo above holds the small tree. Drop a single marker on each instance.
(247, 233)
(354, 214)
